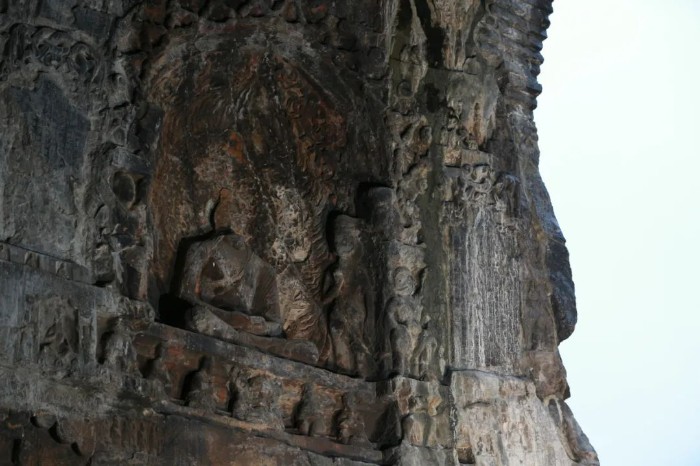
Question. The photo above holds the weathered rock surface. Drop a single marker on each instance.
(279, 232)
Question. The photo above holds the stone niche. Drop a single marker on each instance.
(260, 151)
(279, 232)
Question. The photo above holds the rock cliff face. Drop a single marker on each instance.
(279, 232)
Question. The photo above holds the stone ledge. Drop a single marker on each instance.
(318, 445)
(45, 263)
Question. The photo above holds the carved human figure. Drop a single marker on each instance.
(471, 142)
(404, 282)
(255, 399)
(225, 273)
(233, 287)
(475, 182)
(119, 352)
(158, 370)
(505, 199)
(352, 315)
(404, 330)
(314, 413)
(202, 393)
(402, 316)
(419, 425)
(58, 333)
(426, 362)
(411, 186)
(350, 423)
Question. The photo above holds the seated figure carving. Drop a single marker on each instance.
(235, 297)
(225, 273)
(256, 398)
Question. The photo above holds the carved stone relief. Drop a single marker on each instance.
(278, 232)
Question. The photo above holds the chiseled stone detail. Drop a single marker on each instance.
(279, 232)
(500, 420)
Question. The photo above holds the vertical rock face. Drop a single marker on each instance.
(279, 232)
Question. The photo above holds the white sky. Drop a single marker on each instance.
(620, 154)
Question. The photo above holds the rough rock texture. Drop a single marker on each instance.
(279, 232)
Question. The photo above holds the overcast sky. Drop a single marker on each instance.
(620, 154)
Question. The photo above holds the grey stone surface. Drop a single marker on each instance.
(281, 233)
